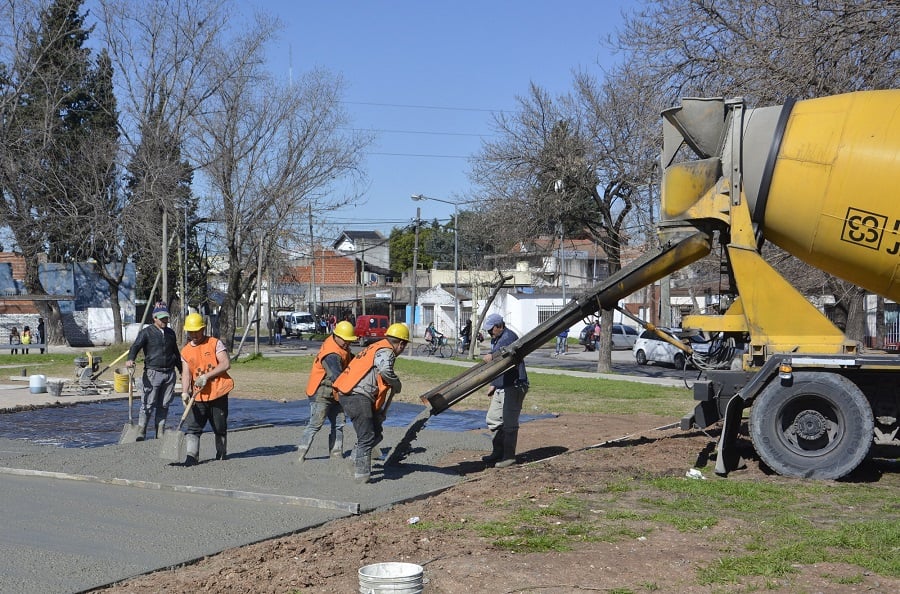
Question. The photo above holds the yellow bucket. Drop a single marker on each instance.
(121, 379)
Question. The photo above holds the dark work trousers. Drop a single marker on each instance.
(367, 426)
(216, 413)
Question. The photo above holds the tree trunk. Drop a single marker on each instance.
(604, 352)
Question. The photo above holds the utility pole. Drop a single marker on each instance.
(312, 263)
(415, 274)
(259, 264)
(164, 265)
(362, 275)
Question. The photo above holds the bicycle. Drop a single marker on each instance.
(437, 347)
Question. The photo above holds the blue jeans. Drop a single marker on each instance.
(320, 408)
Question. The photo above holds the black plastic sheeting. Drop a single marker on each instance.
(100, 424)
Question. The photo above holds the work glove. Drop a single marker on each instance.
(185, 398)
(200, 381)
(398, 387)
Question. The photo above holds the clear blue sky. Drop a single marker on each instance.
(426, 76)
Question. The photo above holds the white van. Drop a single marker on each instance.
(298, 323)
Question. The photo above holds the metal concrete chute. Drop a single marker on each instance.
(641, 273)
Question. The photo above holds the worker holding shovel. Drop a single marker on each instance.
(332, 359)
(160, 346)
(204, 367)
(364, 389)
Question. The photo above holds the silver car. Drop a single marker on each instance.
(649, 347)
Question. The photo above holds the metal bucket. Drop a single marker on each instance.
(396, 578)
(55, 388)
(121, 379)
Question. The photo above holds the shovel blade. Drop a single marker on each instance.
(130, 433)
(173, 447)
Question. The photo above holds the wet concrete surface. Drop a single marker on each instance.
(80, 518)
(82, 511)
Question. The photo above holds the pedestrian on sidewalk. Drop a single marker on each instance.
(14, 338)
(507, 394)
(160, 346)
(364, 390)
(562, 340)
(330, 362)
(204, 367)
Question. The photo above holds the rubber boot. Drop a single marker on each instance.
(160, 429)
(192, 444)
(221, 447)
(336, 444)
(497, 454)
(142, 426)
(362, 469)
(509, 449)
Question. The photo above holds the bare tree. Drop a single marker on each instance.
(767, 51)
(581, 162)
(164, 54)
(270, 155)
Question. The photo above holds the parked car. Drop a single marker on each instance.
(623, 336)
(298, 322)
(649, 347)
(370, 328)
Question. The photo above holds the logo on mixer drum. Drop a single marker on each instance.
(864, 228)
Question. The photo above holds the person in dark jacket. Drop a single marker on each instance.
(161, 359)
(507, 393)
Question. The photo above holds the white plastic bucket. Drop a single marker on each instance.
(396, 578)
(37, 384)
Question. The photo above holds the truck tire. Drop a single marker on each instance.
(820, 426)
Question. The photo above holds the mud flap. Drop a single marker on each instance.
(728, 458)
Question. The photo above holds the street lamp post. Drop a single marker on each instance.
(418, 197)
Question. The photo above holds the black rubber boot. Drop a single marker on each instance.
(497, 454)
(192, 446)
(509, 449)
(221, 447)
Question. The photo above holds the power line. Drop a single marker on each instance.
(477, 109)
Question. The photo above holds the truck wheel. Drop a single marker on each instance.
(820, 426)
(640, 357)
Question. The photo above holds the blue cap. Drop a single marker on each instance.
(491, 321)
(160, 310)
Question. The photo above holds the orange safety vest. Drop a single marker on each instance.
(202, 359)
(318, 373)
(357, 370)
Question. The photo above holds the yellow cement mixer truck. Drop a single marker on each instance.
(818, 178)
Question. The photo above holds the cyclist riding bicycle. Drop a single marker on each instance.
(432, 336)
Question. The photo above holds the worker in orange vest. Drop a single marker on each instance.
(205, 364)
(365, 389)
(332, 359)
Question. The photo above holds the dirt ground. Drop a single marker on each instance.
(556, 461)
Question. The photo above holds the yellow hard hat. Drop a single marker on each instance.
(345, 330)
(398, 331)
(194, 322)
